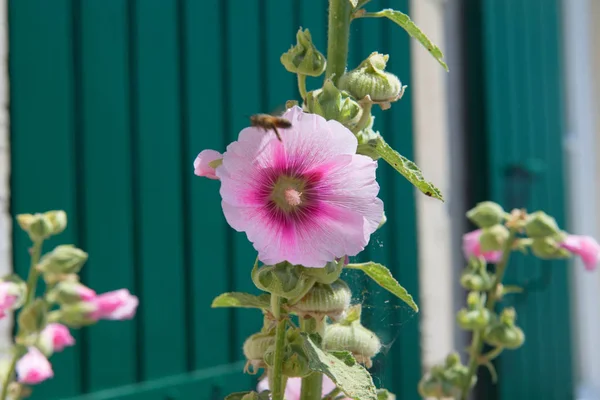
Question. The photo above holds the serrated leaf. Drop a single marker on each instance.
(408, 169)
(352, 378)
(413, 30)
(383, 277)
(243, 300)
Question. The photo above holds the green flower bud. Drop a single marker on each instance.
(331, 103)
(493, 238)
(38, 226)
(283, 279)
(74, 315)
(69, 291)
(15, 289)
(370, 79)
(476, 277)
(350, 335)
(324, 300)
(504, 333)
(540, 225)
(33, 317)
(304, 58)
(445, 380)
(475, 316)
(486, 214)
(548, 248)
(64, 259)
(328, 274)
(58, 220)
(255, 348)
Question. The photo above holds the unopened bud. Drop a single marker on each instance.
(304, 58)
(75, 315)
(486, 214)
(548, 248)
(38, 226)
(69, 292)
(493, 238)
(332, 103)
(58, 220)
(540, 225)
(324, 300)
(370, 80)
(504, 333)
(64, 259)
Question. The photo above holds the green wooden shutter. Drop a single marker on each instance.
(110, 103)
(522, 166)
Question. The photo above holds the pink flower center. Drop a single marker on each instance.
(289, 193)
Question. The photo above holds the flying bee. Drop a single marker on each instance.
(270, 122)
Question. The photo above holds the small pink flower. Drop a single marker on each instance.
(472, 248)
(58, 336)
(294, 385)
(119, 304)
(33, 367)
(201, 164)
(84, 292)
(585, 247)
(307, 199)
(8, 297)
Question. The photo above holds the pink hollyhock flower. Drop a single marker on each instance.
(585, 247)
(84, 292)
(201, 164)
(116, 305)
(57, 337)
(294, 385)
(472, 248)
(33, 367)
(8, 297)
(307, 199)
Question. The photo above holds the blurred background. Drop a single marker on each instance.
(107, 103)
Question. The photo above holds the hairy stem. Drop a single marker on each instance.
(302, 86)
(492, 296)
(277, 387)
(338, 36)
(36, 251)
(312, 384)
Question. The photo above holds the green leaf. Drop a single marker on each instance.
(413, 30)
(408, 169)
(383, 277)
(243, 300)
(352, 378)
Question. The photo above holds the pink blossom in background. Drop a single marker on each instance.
(472, 248)
(84, 292)
(201, 164)
(585, 247)
(294, 385)
(308, 199)
(116, 305)
(8, 297)
(33, 367)
(58, 336)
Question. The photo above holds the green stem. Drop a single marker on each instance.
(313, 383)
(333, 394)
(338, 37)
(302, 86)
(492, 296)
(36, 251)
(364, 118)
(277, 387)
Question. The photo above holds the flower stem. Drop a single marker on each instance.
(302, 86)
(277, 377)
(312, 384)
(338, 36)
(492, 296)
(36, 251)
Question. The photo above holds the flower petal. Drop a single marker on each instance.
(202, 161)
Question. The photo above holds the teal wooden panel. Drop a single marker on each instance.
(524, 125)
(105, 156)
(43, 140)
(313, 15)
(243, 98)
(159, 172)
(405, 352)
(204, 127)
